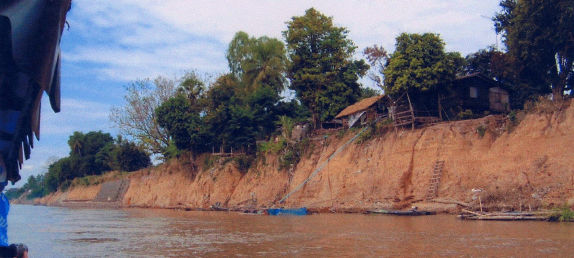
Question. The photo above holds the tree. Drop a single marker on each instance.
(127, 156)
(539, 36)
(137, 117)
(419, 64)
(258, 65)
(499, 66)
(490, 63)
(89, 153)
(182, 123)
(88, 144)
(322, 72)
(378, 58)
(193, 86)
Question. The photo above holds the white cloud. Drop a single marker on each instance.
(76, 115)
(112, 42)
(130, 39)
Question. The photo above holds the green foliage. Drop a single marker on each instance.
(177, 117)
(88, 144)
(290, 157)
(262, 103)
(293, 109)
(127, 156)
(14, 193)
(538, 35)
(322, 72)
(292, 153)
(367, 135)
(209, 161)
(35, 187)
(491, 63)
(192, 87)
(368, 92)
(172, 151)
(258, 65)
(244, 162)
(512, 116)
(341, 133)
(257, 61)
(466, 114)
(562, 214)
(91, 154)
(287, 125)
(271, 146)
(419, 64)
(481, 130)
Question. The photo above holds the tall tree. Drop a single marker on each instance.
(540, 37)
(322, 71)
(127, 156)
(181, 121)
(491, 63)
(193, 87)
(136, 118)
(498, 66)
(378, 58)
(419, 64)
(257, 61)
(259, 65)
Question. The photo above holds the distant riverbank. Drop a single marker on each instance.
(510, 166)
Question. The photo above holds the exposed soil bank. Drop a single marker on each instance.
(529, 168)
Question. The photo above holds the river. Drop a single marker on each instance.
(65, 232)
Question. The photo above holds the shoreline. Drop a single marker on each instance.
(442, 209)
(525, 167)
(538, 215)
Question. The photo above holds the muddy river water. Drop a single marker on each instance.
(64, 232)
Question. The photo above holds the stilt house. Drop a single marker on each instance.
(479, 93)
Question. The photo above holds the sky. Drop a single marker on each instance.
(110, 44)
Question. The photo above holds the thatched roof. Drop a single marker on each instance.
(359, 106)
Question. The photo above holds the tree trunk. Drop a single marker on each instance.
(439, 108)
(412, 112)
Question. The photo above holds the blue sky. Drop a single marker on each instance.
(112, 43)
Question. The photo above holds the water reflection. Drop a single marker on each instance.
(62, 232)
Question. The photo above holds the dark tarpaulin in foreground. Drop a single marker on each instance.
(30, 32)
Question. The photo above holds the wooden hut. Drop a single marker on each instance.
(364, 111)
(479, 93)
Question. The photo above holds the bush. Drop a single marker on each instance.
(467, 114)
(127, 156)
(341, 133)
(481, 130)
(208, 162)
(290, 158)
(563, 214)
(544, 105)
(292, 154)
(244, 162)
(271, 146)
(368, 134)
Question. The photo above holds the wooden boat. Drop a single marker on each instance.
(402, 213)
(502, 216)
(288, 212)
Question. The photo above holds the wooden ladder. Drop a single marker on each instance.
(435, 180)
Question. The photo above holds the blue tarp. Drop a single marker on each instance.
(282, 211)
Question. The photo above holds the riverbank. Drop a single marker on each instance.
(519, 163)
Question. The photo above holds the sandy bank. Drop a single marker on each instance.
(528, 166)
